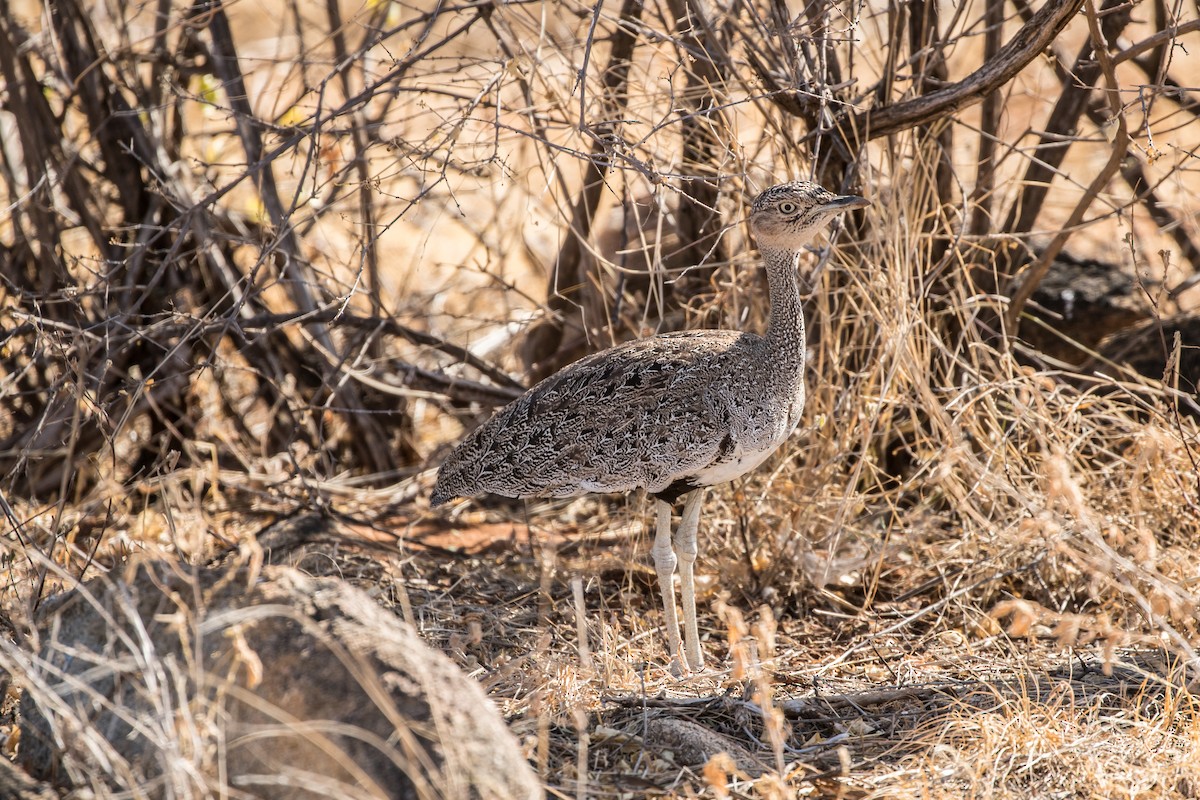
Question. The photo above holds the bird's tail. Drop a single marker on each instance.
(440, 496)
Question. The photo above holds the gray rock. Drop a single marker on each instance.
(179, 681)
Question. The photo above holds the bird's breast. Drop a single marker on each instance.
(755, 435)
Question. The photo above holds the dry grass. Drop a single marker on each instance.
(972, 572)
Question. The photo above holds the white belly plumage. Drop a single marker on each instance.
(739, 465)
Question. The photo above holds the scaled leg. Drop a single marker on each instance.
(664, 566)
(686, 550)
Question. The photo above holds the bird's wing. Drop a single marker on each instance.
(639, 414)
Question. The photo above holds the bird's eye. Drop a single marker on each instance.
(787, 207)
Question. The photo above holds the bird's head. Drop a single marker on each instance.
(786, 216)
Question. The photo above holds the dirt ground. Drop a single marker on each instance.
(806, 693)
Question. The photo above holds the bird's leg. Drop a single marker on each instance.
(664, 565)
(686, 550)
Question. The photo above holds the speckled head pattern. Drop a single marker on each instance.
(787, 215)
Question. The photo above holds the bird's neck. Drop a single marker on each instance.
(785, 327)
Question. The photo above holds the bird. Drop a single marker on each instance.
(670, 414)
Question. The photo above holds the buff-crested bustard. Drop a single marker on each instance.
(670, 414)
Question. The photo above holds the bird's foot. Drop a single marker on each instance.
(694, 664)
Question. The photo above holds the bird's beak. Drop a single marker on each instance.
(846, 202)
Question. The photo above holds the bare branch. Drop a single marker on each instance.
(1120, 145)
(1033, 37)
